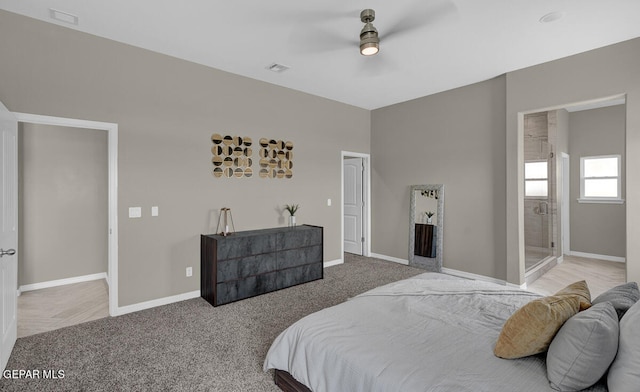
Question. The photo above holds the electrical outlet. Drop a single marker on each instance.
(189, 272)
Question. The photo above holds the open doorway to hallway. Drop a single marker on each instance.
(63, 226)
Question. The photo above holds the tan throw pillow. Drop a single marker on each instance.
(531, 328)
(581, 290)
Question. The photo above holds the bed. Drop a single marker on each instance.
(432, 332)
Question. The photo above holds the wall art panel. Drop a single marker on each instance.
(231, 156)
(276, 158)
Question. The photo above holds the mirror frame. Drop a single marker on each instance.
(436, 264)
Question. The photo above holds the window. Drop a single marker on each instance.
(536, 177)
(600, 180)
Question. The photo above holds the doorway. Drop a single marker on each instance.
(567, 224)
(355, 206)
(63, 215)
(112, 171)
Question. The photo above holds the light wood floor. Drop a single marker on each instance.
(600, 275)
(62, 306)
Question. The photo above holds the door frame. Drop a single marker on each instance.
(565, 219)
(517, 246)
(112, 152)
(366, 195)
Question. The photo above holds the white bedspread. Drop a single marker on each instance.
(427, 333)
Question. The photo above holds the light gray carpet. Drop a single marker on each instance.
(190, 345)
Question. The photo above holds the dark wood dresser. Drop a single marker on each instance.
(250, 263)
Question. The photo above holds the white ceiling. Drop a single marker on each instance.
(452, 43)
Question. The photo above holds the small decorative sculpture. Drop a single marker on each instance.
(227, 216)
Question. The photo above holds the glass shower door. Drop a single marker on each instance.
(539, 205)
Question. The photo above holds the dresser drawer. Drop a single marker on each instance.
(240, 268)
(299, 237)
(296, 257)
(233, 247)
(297, 275)
(240, 289)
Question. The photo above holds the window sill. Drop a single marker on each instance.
(601, 201)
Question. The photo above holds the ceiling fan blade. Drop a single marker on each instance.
(423, 14)
(375, 66)
(315, 39)
(305, 14)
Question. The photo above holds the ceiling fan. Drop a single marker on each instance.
(325, 29)
(369, 40)
(421, 16)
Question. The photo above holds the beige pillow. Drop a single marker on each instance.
(531, 328)
(581, 290)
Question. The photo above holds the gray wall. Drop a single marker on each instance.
(63, 203)
(455, 138)
(596, 228)
(167, 110)
(605, 72)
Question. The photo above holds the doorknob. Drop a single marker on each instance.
(8, 252)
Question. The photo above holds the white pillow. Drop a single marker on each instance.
(583, 348)
(624, 374)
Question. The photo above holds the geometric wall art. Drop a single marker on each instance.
(231, 156)
(276, 158)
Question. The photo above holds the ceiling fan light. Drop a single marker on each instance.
(369, 48)
(369, 40)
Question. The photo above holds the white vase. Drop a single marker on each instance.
(292, 220)
(429, 219)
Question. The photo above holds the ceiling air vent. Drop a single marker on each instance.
(277, 68)
(63, 16)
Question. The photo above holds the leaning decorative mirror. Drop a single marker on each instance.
(426, 217)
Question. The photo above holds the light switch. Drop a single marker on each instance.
(135, 212)
(154, 211)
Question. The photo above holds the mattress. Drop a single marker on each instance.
(431, 333)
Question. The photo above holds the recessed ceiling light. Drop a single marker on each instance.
(278, 68)
(552, 17)
(63, 16)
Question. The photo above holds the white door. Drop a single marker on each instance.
(8, 232)
(353, 205)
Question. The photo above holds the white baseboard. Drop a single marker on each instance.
(156, 302)
(449, 271)
(560, 259)
(62, 282)
(332, 263)
(596, 256)
(182, 297)
(389, 258)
